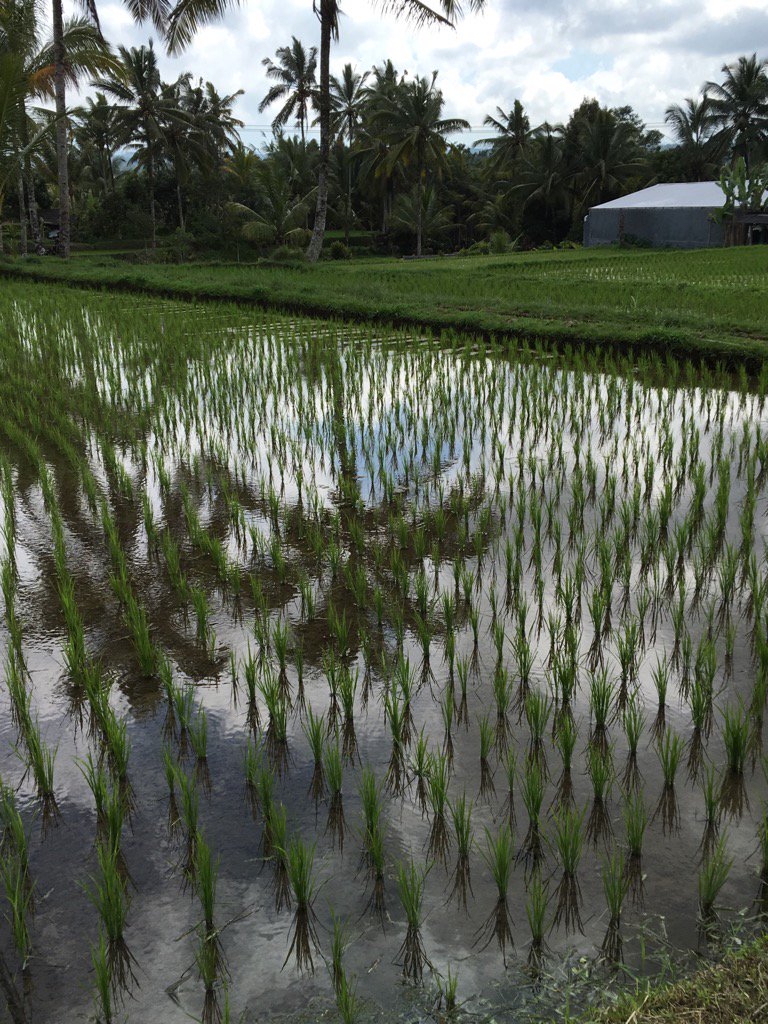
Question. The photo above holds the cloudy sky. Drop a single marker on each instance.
(548, 53)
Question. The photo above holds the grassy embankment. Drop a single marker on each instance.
(733, 992)
(708, 302)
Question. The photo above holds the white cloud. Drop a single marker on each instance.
(549, 53)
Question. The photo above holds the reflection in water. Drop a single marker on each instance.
(459, 645)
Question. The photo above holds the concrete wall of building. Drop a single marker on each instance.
(678, 228)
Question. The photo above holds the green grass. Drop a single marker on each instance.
(706, 301)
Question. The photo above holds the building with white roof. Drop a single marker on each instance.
(679, 215)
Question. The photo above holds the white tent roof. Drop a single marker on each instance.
(695, 194)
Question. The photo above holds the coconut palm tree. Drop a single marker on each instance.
(694, 127)
(348, 100)
(145, 112)
(740, 105)
(189, 15)
(412, 125)
(513, 134)
(609, 157)
(294, 76)
(544, 176)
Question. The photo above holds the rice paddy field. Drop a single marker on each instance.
(360, 674)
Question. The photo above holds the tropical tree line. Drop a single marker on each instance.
(144, 157)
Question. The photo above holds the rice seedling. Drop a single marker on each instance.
(633, 720)
(600, 771)
(18, 894)
(437, 792)
(40, 761)
(569, 846)
(347, 690)
(340, 940)
(461, 815)
(713, 875)
(736, 742)
(419, 770)
(536, 908)
(532, 792)
(104, 981)
(410, 888)
(277, 727)
(332, 762)
(108, 893)
(300, 858)
(635, 824)
(315, 732)
(499, 856)
(395, 709)
(615, 887)
(487, 788)
(670, 750)
(600, 704)
(347, 1000)
(447, 992)
(189, 808)
(660, 675)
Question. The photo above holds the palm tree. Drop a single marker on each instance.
(97, 126)
(609, 157)
(294, 76)
(146, 112)
(348, 100)
(422, 207)
(693, 124)
(189, 15)
(86, 54)
(514, 133)
(740, 105)
(412, 125)
(544, 175)
(280, 215)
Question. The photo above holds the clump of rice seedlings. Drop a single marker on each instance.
(250, 668)
(713, 875)
(410, 888)
(600, 703)
(635, 824)
(462, 669)
(762, 836)
(461, 815)
(447, 989)
(569, 845)
(502, 692)
(670, 750)
(205, 887)
(347, 1001)
(332, 762)
(277, 728)
(189, 808)
(103, 980)
(108, 894)
(264, 789)
(374, 852)
(487, 788)
(633, 720)
(615, 886)
(533, 797)
(733, 794)
(712, 810)
(447, 707)
(40, 761)
(566, 735)
(499, 856)
(340, 940)
(198, 740)
(600, 771)
(437, 791)
(538, 708)
(396, 717)
(370, 802)
(207, 960)
(202, 617)
(169, 768)
(278, 841)
(315, 731)
(419, 766)
(510, 772)
(18, 893)
(660, 675)
(300, 859)
(699, 702)
(536, 911)
(347, 691)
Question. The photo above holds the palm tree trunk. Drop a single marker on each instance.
(62, 147)
(419, 215)
(22, 216)
(29, 185)
(181, 206)
(151, 183)
(321, 207)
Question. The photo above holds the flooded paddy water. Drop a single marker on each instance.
(342, 668)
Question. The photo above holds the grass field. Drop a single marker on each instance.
(708, 302)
